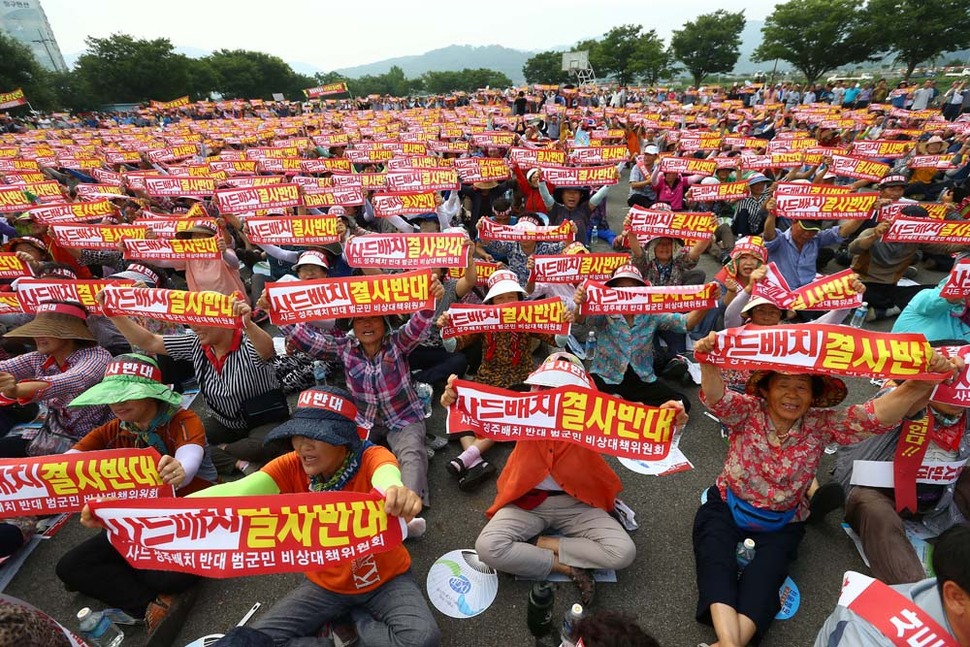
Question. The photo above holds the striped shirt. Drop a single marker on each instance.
(81, 370)
(243, 375)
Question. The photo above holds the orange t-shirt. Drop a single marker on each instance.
(185, 428)
(358, 575)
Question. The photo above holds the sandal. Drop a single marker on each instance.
(584, 581)
(456, 468)
(475, 476)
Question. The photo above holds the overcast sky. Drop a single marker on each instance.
(332, 34)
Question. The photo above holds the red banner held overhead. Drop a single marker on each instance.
(407, 251)
(603, 300)
(542, 316)
(175, 306)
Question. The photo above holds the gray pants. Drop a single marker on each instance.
(393, 615)
(591, 538)
(407, 444)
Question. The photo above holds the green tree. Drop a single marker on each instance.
(709, 44)
(627, 53)
(19, 69)
(244, 74)
(919, 30)
(651, 60)
(816, 36)
(545, 68)
(120, 68)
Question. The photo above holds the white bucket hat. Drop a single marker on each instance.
(560, 369)
(627, 271)
(502, 282)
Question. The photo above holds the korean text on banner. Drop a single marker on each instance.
(174, 306)
(229, 537)
(542, 316)
(585, 417)
(65, 482)
(603, 300)
(407, 251)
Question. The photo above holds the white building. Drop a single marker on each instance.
(26, 22)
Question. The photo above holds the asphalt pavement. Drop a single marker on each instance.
(658, 588)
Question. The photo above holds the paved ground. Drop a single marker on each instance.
(658, 588)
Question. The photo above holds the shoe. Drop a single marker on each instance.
(430, 450)
(870, 314)
(676, 369)
(826, 499)
(475, 476)
(165, 616)
(435, 442)
(584, 581)
(929, 263)
(892, 312)
(456, 468)
(911, 272)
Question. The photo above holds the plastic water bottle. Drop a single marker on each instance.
(570, 625)
(593, 236)
(590, 348)
(745, 553)
(542, 599)
(859, 315)
(320, 372)
(97, 628)
(425, 392)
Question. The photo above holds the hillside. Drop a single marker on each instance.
(454, 57)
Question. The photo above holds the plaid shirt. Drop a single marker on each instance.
(381, 385)
(82, 369)
(618, 345)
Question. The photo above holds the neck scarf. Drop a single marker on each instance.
(150, 437)
(344, 474)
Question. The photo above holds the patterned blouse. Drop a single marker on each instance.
(506, 356)
(776, 477)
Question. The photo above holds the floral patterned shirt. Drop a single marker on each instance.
(776, 477)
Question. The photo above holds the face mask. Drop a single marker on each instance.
(944, 420)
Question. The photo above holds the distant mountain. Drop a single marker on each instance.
(454, 57)
(750, 39)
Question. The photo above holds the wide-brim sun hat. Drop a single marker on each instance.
(36, 243)
(761, 301)
(197, 229)
(502, 282)
(58, 320)
(129, 377)
(138, 273)
(312, 257)
(757, 178)
(832, 392)
(560, 369)
(627, 271)
(752, 246)
(325, 414)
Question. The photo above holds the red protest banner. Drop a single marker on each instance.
(331, 196)
(360, 296)
(65, 482)
(172, 153)
(823, 348)
(97, 191)
(12, 99)
(598, 154)
(103, 237)
(10, 304)
(722, 192)
(603, 300)
(542, 316)
(483, 270)
(488, 229)
(793, 188)
(234, 167)
(278, 196)
(858, 168)
(372, 156)
(482, 169)
(12, 267)
(169, 105)
(957, 284)
(424, 163)
(938, 162)
(325, 90)
(293, 230)
(404, 204)
(252, 181)
(407, 251)
(174, 306)
(881, 148)
(420, 181)
(532, 157)
(251, 535)
(492, 139)
(687, 166)
(585, 417)
(574, 268)
(856, 206)
(925, 230)
(326, 165)
(579, 176)
(13, 199)
(686, 225)
(33, 292)
(166, 227)
(830, 292)
(172, 249)
(367, 181)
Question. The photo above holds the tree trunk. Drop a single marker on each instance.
(698, 77)
(910, 66)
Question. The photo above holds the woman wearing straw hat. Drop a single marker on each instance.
(777, 432)
(149, 414)
(67, 361)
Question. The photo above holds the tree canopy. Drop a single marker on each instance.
(709, 44)
(816, 36)
(919, 30)
(545, 68)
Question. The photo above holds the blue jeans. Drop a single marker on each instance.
(393, 615)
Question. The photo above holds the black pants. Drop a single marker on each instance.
(16, 414)
(434, 364)
(755, 593)
(96, 569)
(13, 447)
(640, 201)
(241, 445)
(634, 389)
(883, 295)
